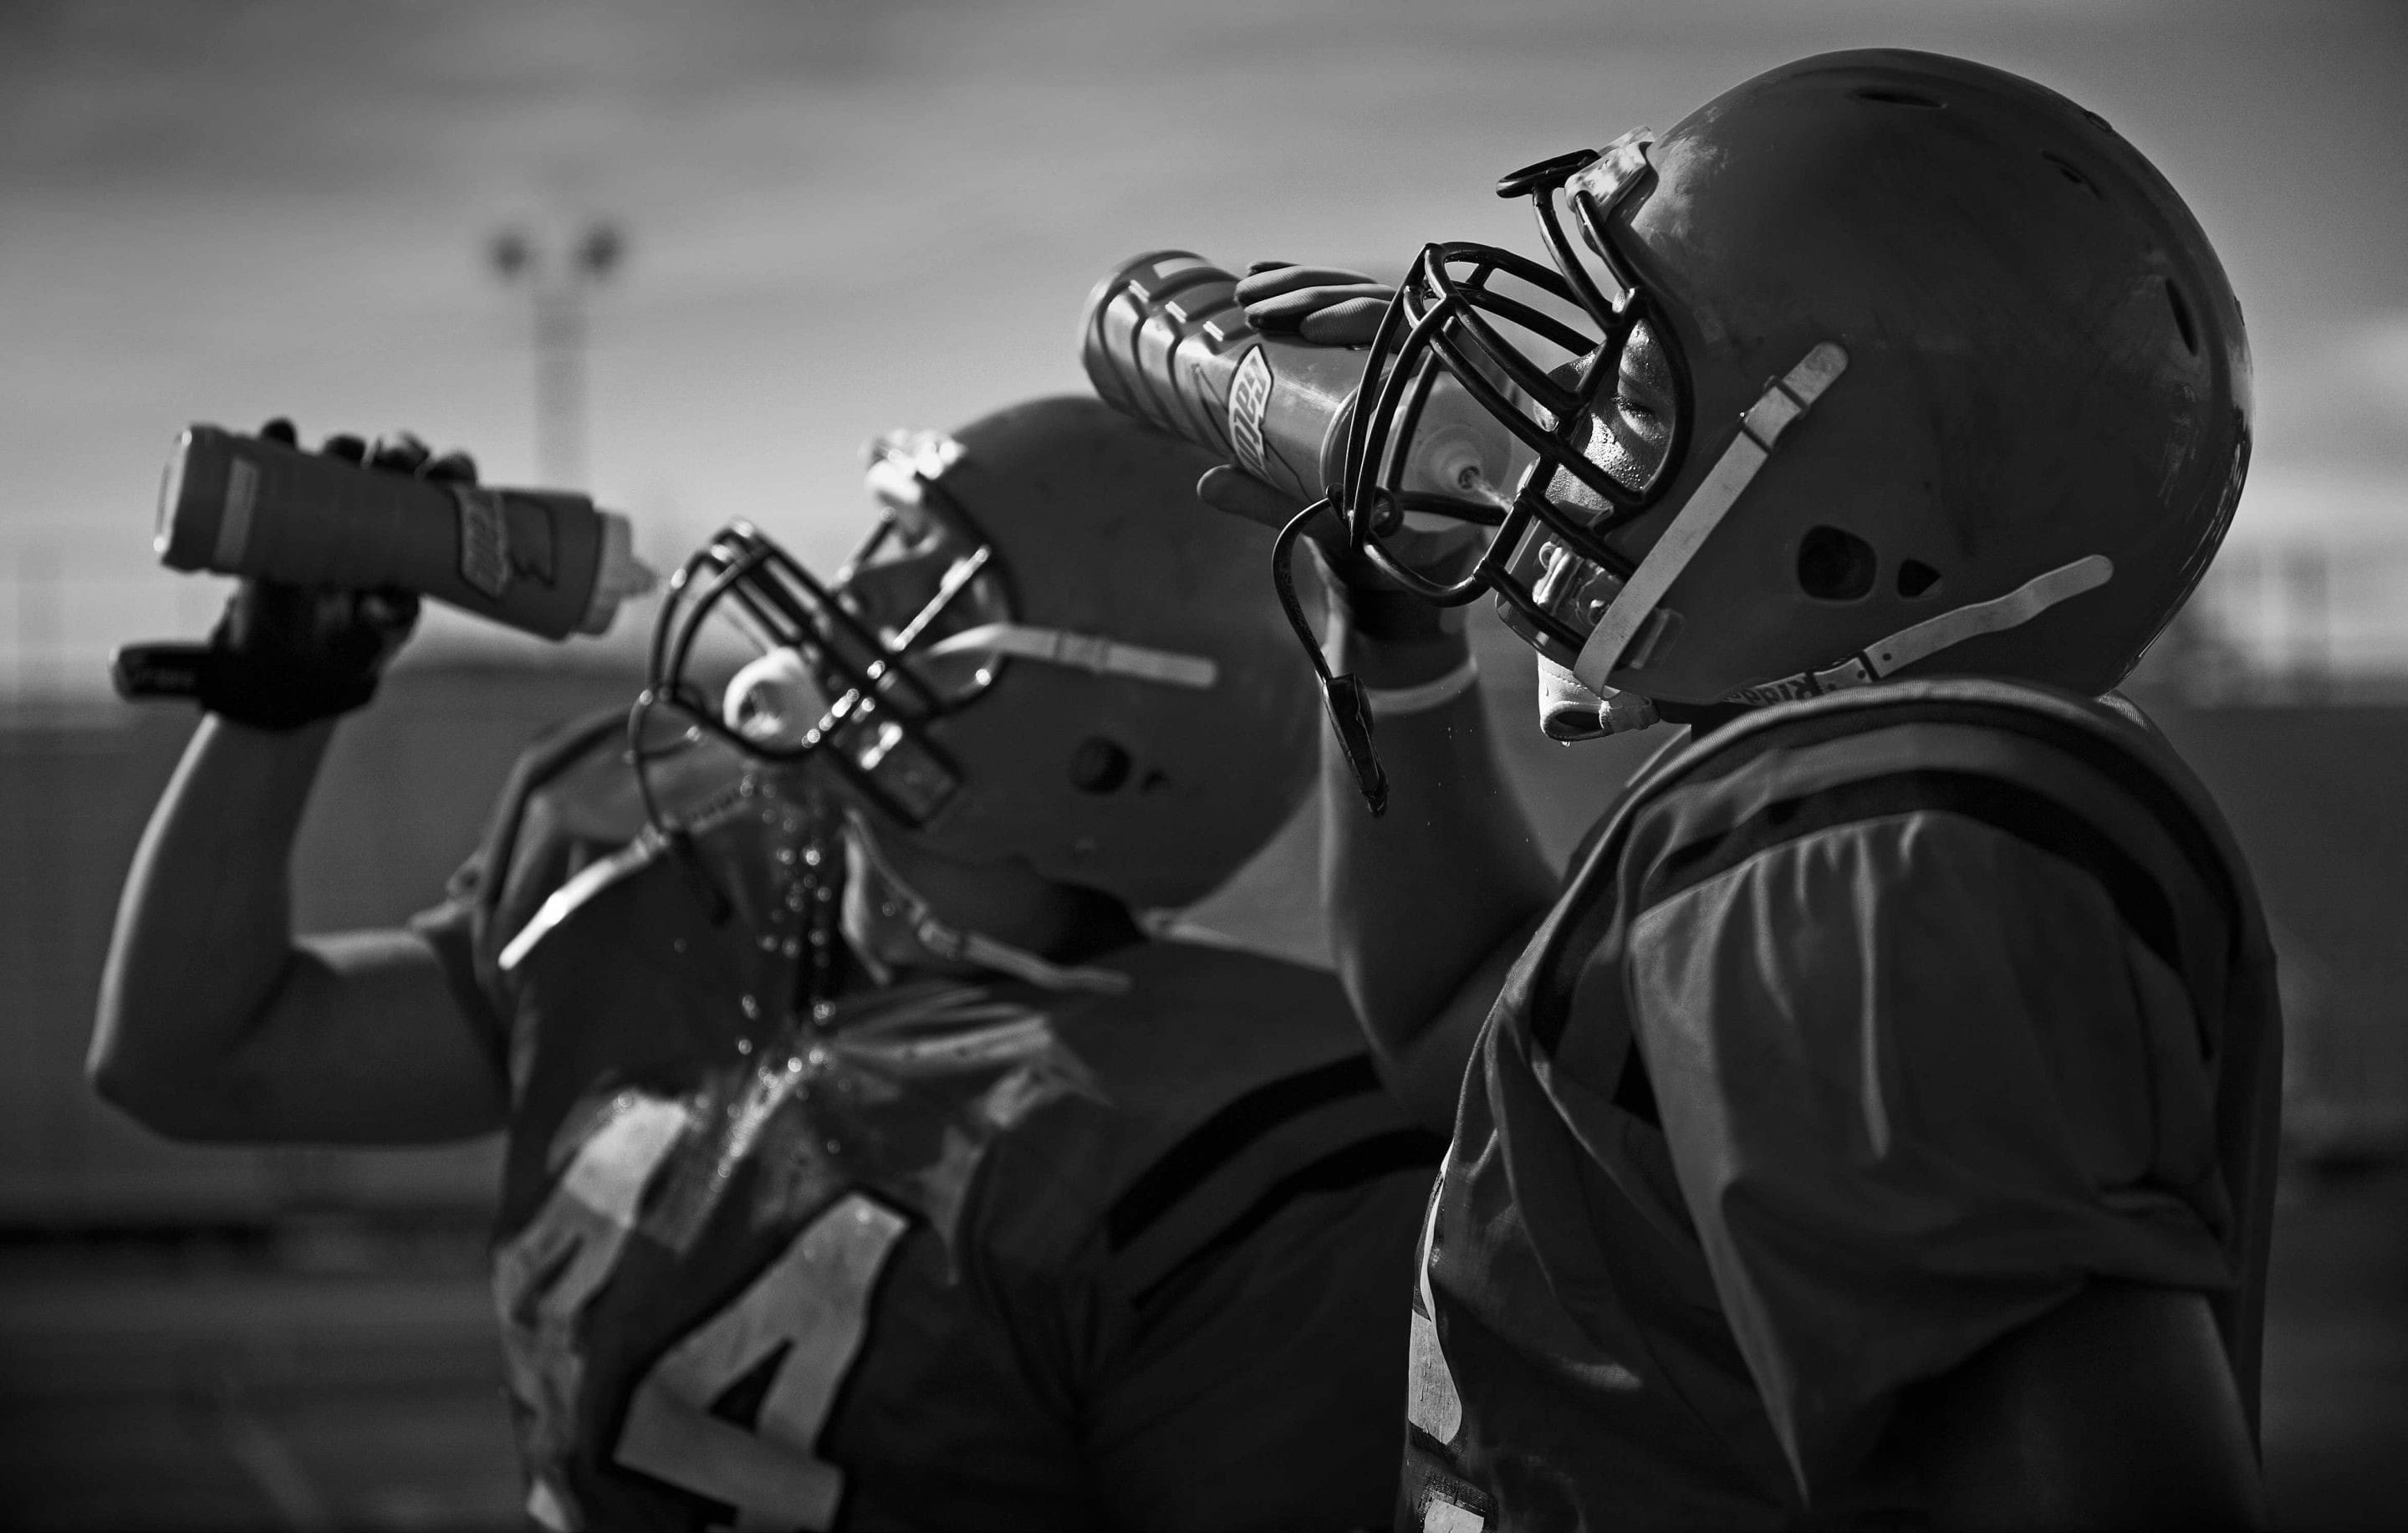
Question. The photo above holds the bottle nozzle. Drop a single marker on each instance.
(622, 575)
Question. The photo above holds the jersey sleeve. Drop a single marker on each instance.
(455, 928)
(508, 867)
(1265, 1389)
(1230, 1331)
(1921, 1075)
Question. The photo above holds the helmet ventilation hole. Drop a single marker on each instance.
(1896, 98)
(1835, 565)
(2181, 306)
(1099, 766)
(2065, 167)
(1915, 577)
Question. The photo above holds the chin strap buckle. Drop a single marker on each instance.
(1569, 712)
(1784, 400)
(1879, 660)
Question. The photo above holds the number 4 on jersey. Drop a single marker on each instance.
(804, 1316)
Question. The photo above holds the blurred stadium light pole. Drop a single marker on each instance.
(39, 618)
(558, 287)
(2309, 581)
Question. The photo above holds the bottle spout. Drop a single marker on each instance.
(620, 576)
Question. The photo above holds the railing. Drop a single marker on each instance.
(2293, 621)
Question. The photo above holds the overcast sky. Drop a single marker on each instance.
(846, 216)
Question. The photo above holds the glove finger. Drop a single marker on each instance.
(1260, 284)
(402, 453)
(1226, 490)
(256, 604)
(1352, 322)
(1284, 313)
(390, 608)
(280, 429)
(334, 610)
(454, 467)
(399, 620)
(346, 447)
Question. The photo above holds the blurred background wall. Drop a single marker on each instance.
(820, 222)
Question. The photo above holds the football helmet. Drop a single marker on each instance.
(1956, 384)
(1046, 649)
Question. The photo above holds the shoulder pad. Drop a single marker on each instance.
(2072, 774)
(573, 799)
(1231, 1085)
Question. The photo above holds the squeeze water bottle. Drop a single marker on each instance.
(1164, 339)
(543, 561)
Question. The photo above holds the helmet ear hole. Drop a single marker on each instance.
(1835, 565)
(1915, 577)
(1099, 766)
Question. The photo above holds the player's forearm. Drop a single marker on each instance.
(204, 928)
(1421, 900)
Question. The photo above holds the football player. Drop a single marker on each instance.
(869, 1164)
(1875, 1125)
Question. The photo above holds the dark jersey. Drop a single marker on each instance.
(1866, 1031)
(966, 1254)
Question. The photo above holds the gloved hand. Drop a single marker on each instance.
(283, 656)
(1412, 642)
(1329, 306)
(1325, 305)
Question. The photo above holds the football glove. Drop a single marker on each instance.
(281, 655)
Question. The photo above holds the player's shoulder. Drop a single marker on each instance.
(1202, 1026)
(573, 799)
(1970, 807)
(1979, 725)
(2085, 780)
(1179, 984)
(1229, 1085)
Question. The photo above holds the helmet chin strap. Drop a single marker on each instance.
(1934, 634)
(940, 940)
(1090, 653)
(764, 700)
(1569, 711)
(1784, 400)
(1579, 705)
